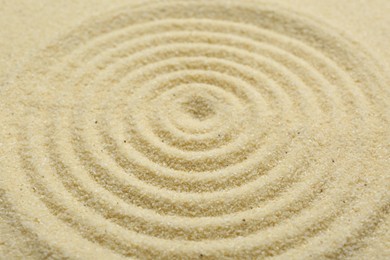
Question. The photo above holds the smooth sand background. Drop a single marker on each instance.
(27, 26)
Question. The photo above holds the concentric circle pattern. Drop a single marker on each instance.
(199, 129)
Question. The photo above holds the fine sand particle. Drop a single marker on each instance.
(183, 129)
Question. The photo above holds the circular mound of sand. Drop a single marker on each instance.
(197, 129)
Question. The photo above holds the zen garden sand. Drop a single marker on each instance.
(183, 129)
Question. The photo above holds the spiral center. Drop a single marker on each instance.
(198, 107)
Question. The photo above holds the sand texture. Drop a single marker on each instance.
(194, 129)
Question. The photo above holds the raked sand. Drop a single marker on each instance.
(185, 129)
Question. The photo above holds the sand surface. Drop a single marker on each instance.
(194, 129)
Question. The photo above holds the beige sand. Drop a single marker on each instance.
(194, 129)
